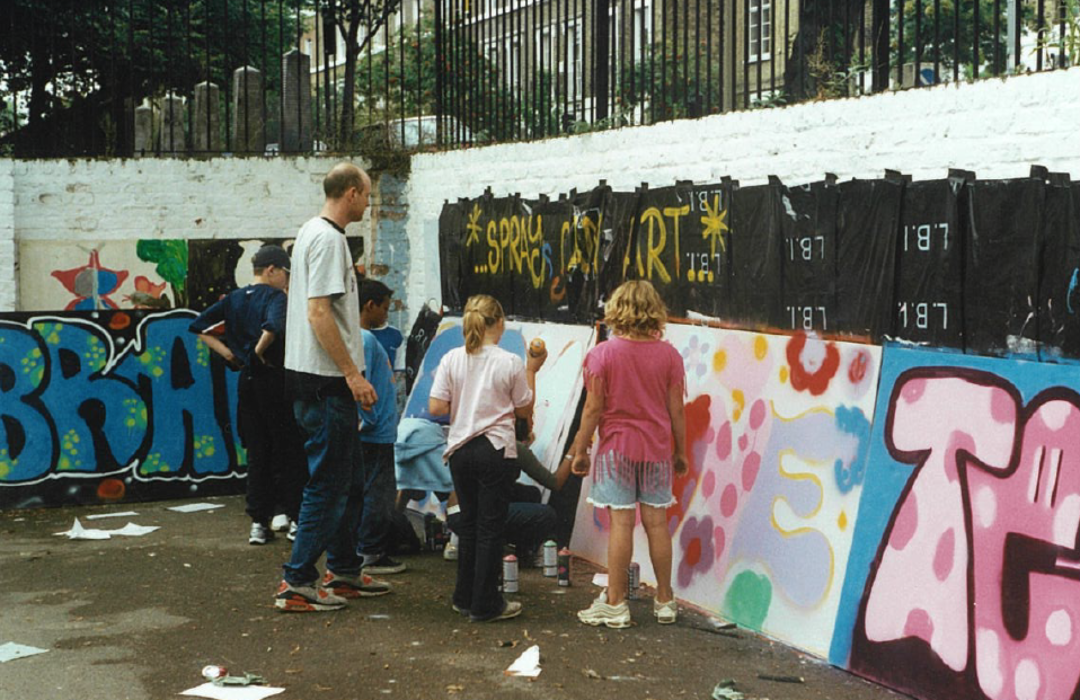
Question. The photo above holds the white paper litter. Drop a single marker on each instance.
(232, 692)
(11, 651)
(78, 532)
(133, 530)
(599, 580)
(122, 514)
(196, 507)
(527, 665)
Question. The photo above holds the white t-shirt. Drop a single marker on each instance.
(483, 390)
(321, 267)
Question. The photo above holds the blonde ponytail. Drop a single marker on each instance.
(481, 312)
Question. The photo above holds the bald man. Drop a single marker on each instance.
(324, 352)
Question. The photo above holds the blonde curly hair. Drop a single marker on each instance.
(635, 308)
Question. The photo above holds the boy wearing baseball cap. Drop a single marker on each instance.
(254, 344)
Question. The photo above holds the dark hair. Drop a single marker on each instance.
(373, 291)
(340, 178)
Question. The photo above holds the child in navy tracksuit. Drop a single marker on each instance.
(254, 344)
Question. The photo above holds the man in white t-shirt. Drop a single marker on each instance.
(324, 353)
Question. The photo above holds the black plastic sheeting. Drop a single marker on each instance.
(984, 266)
(929, 300)
(866, 255)
(1001, 265)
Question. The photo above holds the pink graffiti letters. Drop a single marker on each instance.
(980, 563)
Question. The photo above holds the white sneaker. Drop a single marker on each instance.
(293, 527)
(600, 613)
(280, 523)
(449, 552)
(666, 613)
(260, 534)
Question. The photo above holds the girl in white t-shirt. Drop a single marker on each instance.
(483, 388)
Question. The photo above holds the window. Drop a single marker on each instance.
(642, 25)
(573, 71)
(760, 38)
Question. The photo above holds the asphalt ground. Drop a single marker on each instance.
(138, 618)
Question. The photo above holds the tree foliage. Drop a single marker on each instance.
(70, 62)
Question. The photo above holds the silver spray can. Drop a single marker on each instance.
(510, 574)
(551, 559)
(633, 580)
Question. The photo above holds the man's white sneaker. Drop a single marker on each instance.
(280, 523)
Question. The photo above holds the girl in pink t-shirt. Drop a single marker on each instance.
(635, 385)
(483, 388)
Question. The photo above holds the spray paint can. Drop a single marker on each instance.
(633, 580)
(510, 574)
(564, 567)
(536, 347)
(551, 559)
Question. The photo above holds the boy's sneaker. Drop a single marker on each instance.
(512, 609)
(280, 523)
(666, 613)
(293, 527)
(306, 599)
(384, 565)
(260, 534)
(600, 613)
(360, 586)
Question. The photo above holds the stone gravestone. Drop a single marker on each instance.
(172, 118)
(144, 129)
(248, 120)
(205, 125)
(296, 110)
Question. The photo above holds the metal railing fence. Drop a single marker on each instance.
(196, 77)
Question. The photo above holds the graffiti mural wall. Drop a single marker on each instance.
(112, 405)
(558, 383)
(778, 429)
(964, 579)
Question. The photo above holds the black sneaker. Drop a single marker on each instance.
(384, 565)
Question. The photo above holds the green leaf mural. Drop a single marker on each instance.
(171, 256)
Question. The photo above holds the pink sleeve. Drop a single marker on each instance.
(676, 369)
(593, 367)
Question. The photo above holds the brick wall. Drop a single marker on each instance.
(997, 128)
(98, 200)
(8, 251)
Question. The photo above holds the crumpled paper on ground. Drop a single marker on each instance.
(527, 665)
(78, 532)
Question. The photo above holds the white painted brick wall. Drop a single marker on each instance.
(998, 128)
(8, 252)
(156, 198)
(167, 198)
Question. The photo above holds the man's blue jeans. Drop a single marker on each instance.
(334, 494)
(380, 487)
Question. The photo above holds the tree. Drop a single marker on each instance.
(86, 64)
(477, 93)
(352, 15)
